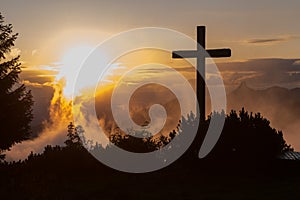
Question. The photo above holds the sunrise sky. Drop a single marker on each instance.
(264, 35)
(252, 29)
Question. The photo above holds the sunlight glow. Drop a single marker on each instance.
(70, 66)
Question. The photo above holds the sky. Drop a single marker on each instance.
(55, 36)
(51, 32)
(252, 29)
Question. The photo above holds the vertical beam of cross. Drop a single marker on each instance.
(200, 77)
(200, 56)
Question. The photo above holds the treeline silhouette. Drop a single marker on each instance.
(247, 151)
(245, 137)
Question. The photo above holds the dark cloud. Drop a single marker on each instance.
(162, 70)
(140, 102)
(262, 72)
(38, 76)
(266, 41)
(42, 96)
(263, 41)
(256, 72)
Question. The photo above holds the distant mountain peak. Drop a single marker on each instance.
(243, 85)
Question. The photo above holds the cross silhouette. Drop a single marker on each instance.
(216, 53)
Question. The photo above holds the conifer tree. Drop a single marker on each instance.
(15, 100)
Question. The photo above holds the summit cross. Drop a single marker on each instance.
(214, 53)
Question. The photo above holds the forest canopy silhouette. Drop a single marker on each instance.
(246, 136)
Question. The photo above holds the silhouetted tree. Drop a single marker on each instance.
(248, 136)
(15, 101)
(74, 136)
(144, 143)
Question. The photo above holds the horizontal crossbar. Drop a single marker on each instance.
(214, 53)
